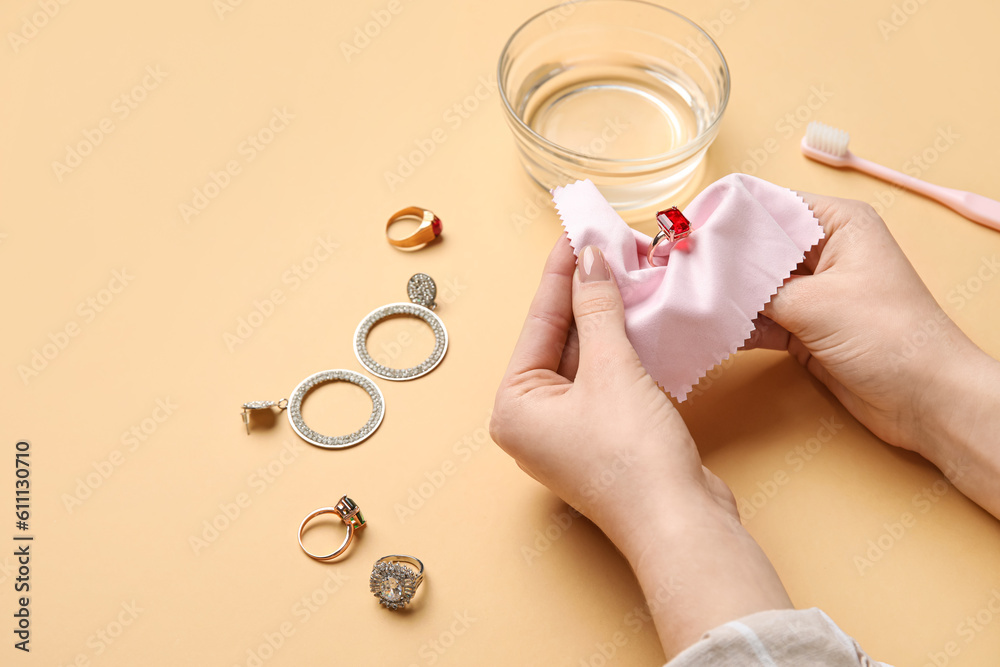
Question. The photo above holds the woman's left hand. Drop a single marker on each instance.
(580, 414)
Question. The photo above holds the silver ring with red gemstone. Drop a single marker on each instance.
(673, 227)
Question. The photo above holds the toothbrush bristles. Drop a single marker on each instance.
(827, 139)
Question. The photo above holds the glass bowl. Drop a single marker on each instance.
(622, 92)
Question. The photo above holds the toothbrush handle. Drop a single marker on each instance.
(975, 207)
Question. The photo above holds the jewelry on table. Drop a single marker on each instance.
(349, 513)
(395, 579)
(421, 290)
(260, 405)
(673, 227)
(430, 227)
(293, 404)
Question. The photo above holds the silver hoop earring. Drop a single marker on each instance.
(422, 291)
(293, 405)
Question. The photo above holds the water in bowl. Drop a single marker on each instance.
(621, 111)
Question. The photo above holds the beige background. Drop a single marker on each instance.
(498, 591)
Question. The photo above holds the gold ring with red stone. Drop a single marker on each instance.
(673, 227)
(430, 227)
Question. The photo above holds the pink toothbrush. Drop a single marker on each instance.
(829, 145)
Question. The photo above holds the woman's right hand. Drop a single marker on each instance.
(859, 318)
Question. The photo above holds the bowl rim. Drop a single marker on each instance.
(692, 146)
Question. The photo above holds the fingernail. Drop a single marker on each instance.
(593, 266)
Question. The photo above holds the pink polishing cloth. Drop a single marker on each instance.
(686, 317)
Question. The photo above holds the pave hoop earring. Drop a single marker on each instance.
(293, 405)
(421, 290)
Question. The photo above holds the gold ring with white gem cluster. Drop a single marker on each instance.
(421, 290)
(395, 579)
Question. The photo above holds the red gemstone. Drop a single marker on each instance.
(678, 228)
(436, 226)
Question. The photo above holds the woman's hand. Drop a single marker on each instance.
(860, 319)
(579, 413)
